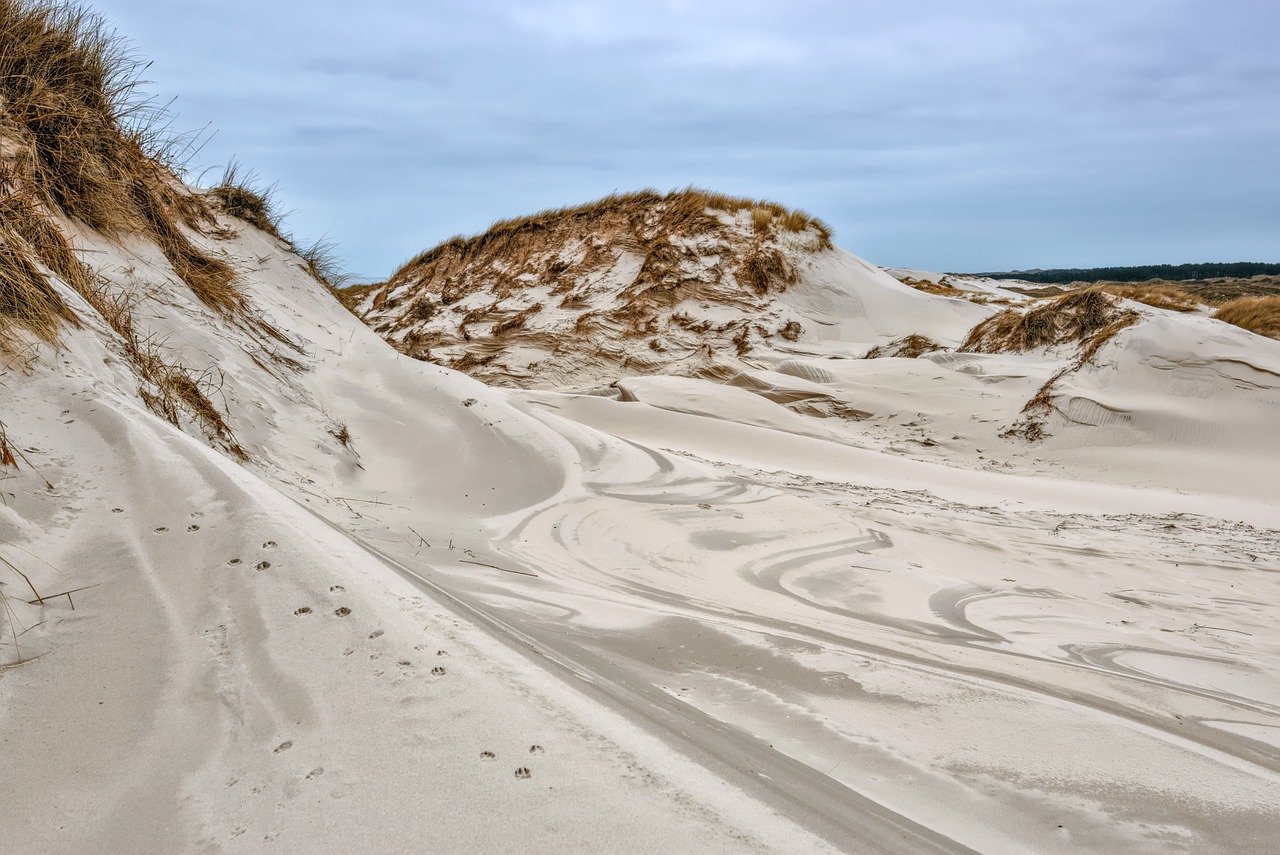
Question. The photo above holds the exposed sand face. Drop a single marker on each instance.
(757, 612)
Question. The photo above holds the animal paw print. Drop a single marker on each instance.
(283, 746)
(162, 529)
(523, 773)
(336, 589)
(315, 773)
(377, 633)
(270, 544)
(342, 612)
(193, 527)
(438, 671)
(117, 510)
(535, 749)
(262, 565)
(487, 755)
(233, 562)
(305, 610)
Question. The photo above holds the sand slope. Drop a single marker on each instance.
(797, 602)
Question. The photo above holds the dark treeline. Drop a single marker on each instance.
(1237, 269)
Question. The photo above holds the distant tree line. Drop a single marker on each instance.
(1235, 269)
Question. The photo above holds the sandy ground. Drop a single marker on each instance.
(700, 621)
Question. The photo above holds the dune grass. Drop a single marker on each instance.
(911, 346)
(80, 143)
(1087, 319)
(681, 211)
(80, 147)
(238, 194)
(1160, 296)
(1259, 315)
(1077, 317)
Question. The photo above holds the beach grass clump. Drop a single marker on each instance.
(1259, 315)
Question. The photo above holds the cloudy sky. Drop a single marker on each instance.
(985, 135)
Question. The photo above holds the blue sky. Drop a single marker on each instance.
(986, 135)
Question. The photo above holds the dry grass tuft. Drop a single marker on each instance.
(912, 346)
(239, 195)
(645, 213)
(76, 142)
(766, 267)
(1259, 315)
(619, 268)
(324, 263)
(1071, 318)
(939, 288)
(7, 457)
(1156, 295)
(1088, 318)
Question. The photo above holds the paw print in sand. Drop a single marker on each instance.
(342, 612)
(262, 565)
(438, 671)
(305, 610)
(523, 773)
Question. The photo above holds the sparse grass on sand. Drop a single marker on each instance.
(1078, 317)
(1259, 315)
(690, 244)
(239, 195)
(910, 347)
(1157, 295)
(1087, 319)
(78, 144)
(680, 211)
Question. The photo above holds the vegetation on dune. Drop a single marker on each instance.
(1159, 296)
(78, 144)
(687, 245)
(1087, 319)
(1142, 273)
(1078, 317)
(911, 346)
(239, 195)
(681, 211)
(1259, 315)
(79, 149)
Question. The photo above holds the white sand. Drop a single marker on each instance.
(728, 623)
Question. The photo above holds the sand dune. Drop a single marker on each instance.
(708, 564)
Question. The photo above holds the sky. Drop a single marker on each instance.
(977, 136)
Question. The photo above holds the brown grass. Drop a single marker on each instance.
(671, 234)
(677, 212)
(1259, 315)
(912, 346)
(1073, 317)
(940, 289)
(1157, 295)
(77, 143)
(239, 195)
(1088, 318)
(6, 451)
(765, 267)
